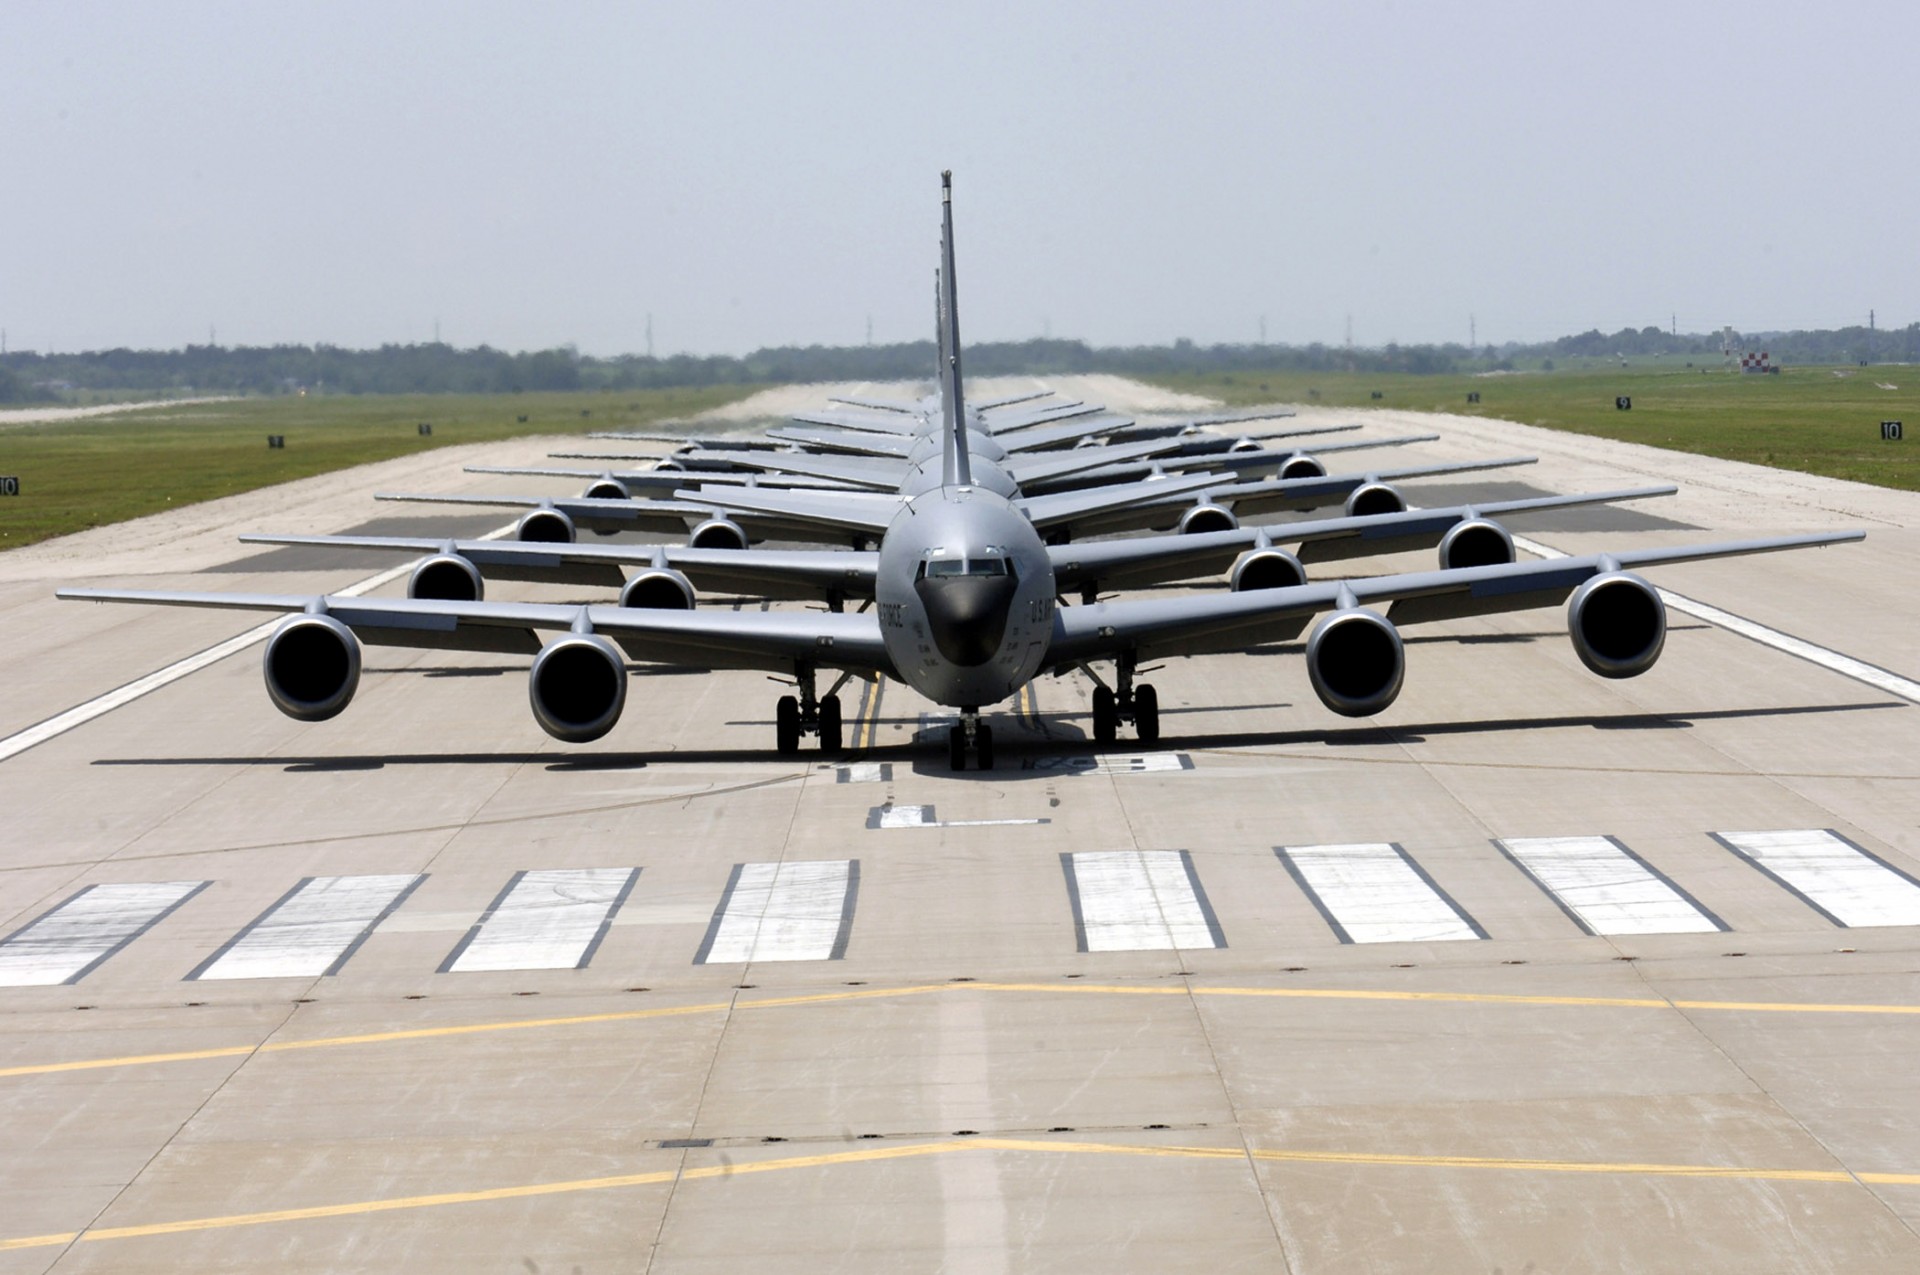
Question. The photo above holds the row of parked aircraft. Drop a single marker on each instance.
(960, 532)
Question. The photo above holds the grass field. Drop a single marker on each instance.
(86, 473)
(1818, 420)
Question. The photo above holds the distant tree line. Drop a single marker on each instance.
(435, 368)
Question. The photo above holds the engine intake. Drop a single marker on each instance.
(718, 533)
(312, 666)
(448, 576)
(1266, 569)
(1207, 517)
(545, 526)
(1374, 498)
(1618, 624)
(1475, 542)
(1303, 467)
(658, 589)
(606, 489)
(1356, 662)
(578, 687)
(1243, 445)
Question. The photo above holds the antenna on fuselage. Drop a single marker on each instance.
(958, 471)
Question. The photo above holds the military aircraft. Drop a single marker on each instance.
(966, 615)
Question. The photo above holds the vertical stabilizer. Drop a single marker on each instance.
(953, 410)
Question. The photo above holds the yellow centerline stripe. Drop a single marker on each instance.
(867, 730)
(890, 993)
(735, 1168)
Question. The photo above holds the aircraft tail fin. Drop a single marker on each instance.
(958, 471)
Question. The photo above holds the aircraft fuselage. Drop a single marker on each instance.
(965, 595)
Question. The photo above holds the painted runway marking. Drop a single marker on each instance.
(1112, 763)
(311, 931)
(733, 1164)
(1845, 665)
(892, 816)
(1374, 893)
(783, 912)
(864, 772)
(1138, 901)
(1607, 888)
(81, 714)
(1841, 881)
(67, 942)
(1491, 1000)
(551, 919)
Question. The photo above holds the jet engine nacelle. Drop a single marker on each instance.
(448, 576)
(578, 687)
(1303, 467)
(1207, 517)
(1243, 445)
(718, 533)
(1618, 624)
(1265, 569)
(312, 666)
(1374, 498)
(658, 589)
(1356, 662)
(606, 489)
(671, 465)
(545, 526)
(1475, 542)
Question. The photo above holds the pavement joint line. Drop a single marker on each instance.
(731, 1168)
(1834, 661)
(99, 706)
(895, 993)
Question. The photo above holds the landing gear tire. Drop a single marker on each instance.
(983, 747)
(786, 726)
(830, 724)
(956, 749)
(1146, 713)
(1106, 716)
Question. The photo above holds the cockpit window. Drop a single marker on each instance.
(939, 568)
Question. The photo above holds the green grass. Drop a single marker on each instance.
(87, 473)
(1817, 420)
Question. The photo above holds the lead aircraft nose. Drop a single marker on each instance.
(968, 614)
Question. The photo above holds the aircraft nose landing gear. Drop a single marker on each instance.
(806, 714)
(970, 732)
(1129, 703)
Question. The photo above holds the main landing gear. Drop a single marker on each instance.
(970, 733)
(1128, 703)
(806, 714)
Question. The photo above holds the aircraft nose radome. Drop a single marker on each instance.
(968, 615)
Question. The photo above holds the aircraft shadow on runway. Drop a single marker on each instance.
(1066, 735)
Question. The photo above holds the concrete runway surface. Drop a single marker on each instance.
(1534, 971)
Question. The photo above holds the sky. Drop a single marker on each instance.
(749, 174)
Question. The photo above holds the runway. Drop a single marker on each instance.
(1533, 971)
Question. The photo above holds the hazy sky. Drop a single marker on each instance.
(768, 174)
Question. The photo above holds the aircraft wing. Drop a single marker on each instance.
(1148, 560)
(844, 440)
(773, 573)
(862, 422)
(657, 517)
(861, 512)
(772, 640)
(1026, 468)
(1159, 628)
(879, 473)
(1056, 508)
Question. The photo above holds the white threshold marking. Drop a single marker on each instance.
(311, 931)
(1112, 763)
(99, 706)
(1844, 883)
(1138, 901)
(922, 817)
(865, 772)
(65, 943)
(783, 912)
(1373, 893)
(1607, 888)
(1845, 665)
(549, 919)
